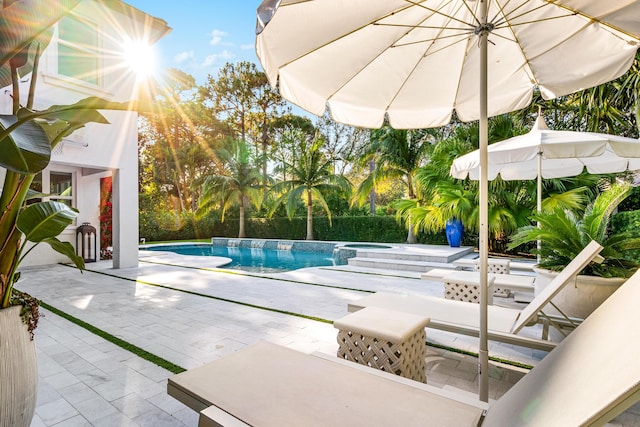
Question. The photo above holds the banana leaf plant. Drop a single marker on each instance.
(28, 136)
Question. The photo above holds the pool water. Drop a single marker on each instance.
(254, 259)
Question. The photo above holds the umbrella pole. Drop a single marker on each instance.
(483, 361)
(539, 198)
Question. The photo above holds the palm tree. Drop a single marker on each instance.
(564, 233)
(443, 197)
(613, 107)
(312, 175)
(629, 90)
(397, 154)
(237, 185)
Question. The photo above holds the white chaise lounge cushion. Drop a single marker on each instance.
(592, 376)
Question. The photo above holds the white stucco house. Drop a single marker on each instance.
(85, 58)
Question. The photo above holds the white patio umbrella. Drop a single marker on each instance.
(544, 153)
(414, 61)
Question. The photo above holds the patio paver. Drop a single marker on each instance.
(86, 380)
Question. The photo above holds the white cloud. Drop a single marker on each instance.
(183, 57)
(225, 54)
(210, 60)
(217, 57)
(216, 37)
(248, 46)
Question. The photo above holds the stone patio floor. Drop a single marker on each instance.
(190, 315)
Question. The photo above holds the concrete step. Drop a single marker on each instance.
(397, 264)
(418, 253)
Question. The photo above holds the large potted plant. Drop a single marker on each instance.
(564, 233)
(27, 138)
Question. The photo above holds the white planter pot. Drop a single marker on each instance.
(18, 370)
(581, 296)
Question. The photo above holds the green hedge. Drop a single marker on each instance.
(168, 226)
(629, 221)
(385, 229)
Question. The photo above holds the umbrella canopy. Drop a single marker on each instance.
(544, 153)
(418, 60)
(562, 154)
(413, 62)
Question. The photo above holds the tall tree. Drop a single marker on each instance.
(270, 106)
(238, 185)
(176, 141)
(288, 131)
(312, 176)
(343, 142)
(242, 97)
(397, 154)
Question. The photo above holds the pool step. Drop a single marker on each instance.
(414, 258)
(397, 264)
(418, 253)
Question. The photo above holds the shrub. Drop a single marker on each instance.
(628, 221)
(168, 225)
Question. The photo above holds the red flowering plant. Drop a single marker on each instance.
(106, 206)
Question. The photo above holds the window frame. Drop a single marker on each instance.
(84, 49)
(55, 198)
(45, 175)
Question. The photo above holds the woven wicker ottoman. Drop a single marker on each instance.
(461, 286)
(388, 340)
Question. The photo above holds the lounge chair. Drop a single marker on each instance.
(463, 317)
(591, 377)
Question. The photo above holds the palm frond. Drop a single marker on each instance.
(597, 218)
(318, 197)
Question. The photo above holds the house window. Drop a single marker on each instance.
(59, 186)
(78, 50)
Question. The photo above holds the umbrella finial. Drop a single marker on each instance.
(540, 123)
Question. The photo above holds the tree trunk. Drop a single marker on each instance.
(265, 143)
(180, 207)
(636, 111)
(265, 178)
(241, 231)
(309, 217)
(411, 237)
(372, 195)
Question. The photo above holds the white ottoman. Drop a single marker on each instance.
(388, 340)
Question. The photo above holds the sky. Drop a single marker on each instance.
(205, 34)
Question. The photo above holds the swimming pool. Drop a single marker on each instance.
(254, 259)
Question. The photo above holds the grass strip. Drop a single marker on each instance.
(242, 273)
(246, 304)
(471, 353)
(150, 357)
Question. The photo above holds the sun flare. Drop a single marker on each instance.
(140, 57)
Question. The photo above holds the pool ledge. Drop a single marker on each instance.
(162, 257)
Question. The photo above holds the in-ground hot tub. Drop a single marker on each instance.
(365, 246)
(343, 252)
